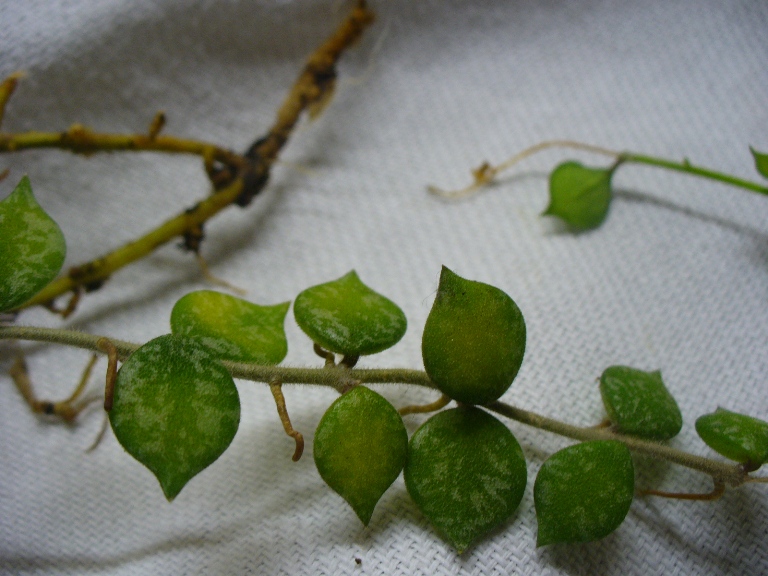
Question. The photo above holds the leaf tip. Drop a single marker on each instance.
(761, 161)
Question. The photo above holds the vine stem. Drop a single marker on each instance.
(340, 378)
(731, 474)
(485, 173)
(688, 168)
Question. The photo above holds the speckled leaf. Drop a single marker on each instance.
(474, 340)
(32, 247)
(736, 436)
(466, 473)
(761, 162)
(583, 492)
(347, 317)
(360, 448)
(579, 195)
(232, 328)
(175, 410)
(639, 404)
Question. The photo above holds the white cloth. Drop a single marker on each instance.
(676, 279)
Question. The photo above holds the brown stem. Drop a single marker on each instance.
(717, 491)
(7, 87)
(330, 359)
(109, 388)
(68, 409)
(277, 393)
(441, 402)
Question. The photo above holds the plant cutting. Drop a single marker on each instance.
(470, 367)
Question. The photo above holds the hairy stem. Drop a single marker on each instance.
(340, 378)
(731, 474)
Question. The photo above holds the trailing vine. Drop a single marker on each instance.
(172, 403)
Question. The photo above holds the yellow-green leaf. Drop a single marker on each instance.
(232, 328)
(360, 448)
(474, 340)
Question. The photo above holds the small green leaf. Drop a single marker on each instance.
(735, 436)
(360, 448)
(639, 404)
(761, 162)
(232, 328)
(579, 195)
(583, 492)
(346, 317)
(466, 473)
(32, 247)
(474, 340)
(175, 409)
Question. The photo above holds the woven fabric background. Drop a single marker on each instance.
(676, 279)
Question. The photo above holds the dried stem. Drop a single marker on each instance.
(282, 411)
(6, 90)
(486, 173)
(441, 402)
(110, 350)
(82, 140)
(248, 176)
(68, 409)
(717, 492)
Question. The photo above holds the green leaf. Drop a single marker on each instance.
(639, 404)
(583, 492)
(233, 329)
(761, 162)
(346, 317)
(466, 473)
(175, 409)
(32, 247)
(360, 448)
(735, 436)
(474, 340)
(579, 195)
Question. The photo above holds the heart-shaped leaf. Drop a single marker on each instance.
(474, 340)
(347, 317)
(579, 195)
(175, 409)
(232, 328)
(639, 404)
(761, 162)
(583, 492)
(32, 247)
(736, 436)
(466, 473)
(360, 448)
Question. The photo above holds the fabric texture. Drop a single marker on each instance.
(676, 279)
